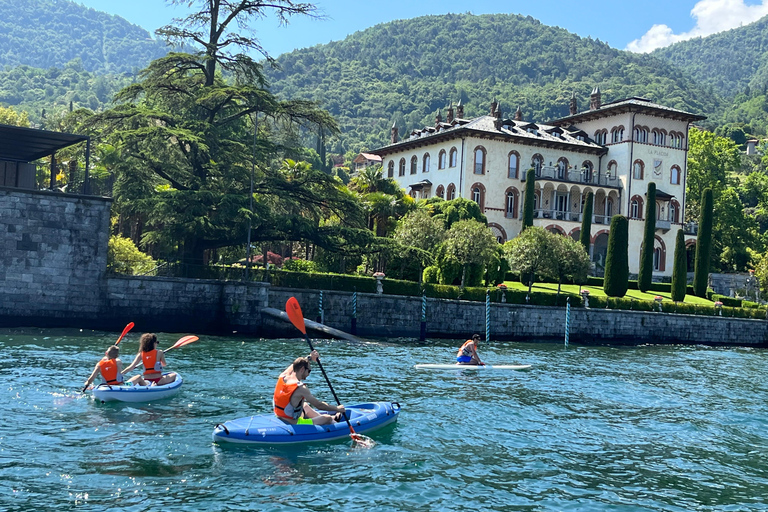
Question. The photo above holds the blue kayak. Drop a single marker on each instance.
(267, 429)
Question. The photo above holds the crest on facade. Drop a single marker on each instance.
(657, 167)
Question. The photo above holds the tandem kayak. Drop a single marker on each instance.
(107, 393)
(456, 366)
(267, 429)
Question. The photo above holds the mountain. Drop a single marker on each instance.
(51, 33)
(405, 71)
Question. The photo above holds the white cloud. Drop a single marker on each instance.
(711, 16)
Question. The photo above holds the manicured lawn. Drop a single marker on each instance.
(597, 291)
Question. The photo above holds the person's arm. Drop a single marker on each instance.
(161, 358)
(133, 364)
(317, 404)
(93, 376)
(477, 356)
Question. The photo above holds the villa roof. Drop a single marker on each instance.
(634, 104)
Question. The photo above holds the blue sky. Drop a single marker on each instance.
(633, 25)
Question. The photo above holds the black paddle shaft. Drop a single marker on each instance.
(319, 364)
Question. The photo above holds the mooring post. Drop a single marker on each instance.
(487, 315)
(320, 313)
(423, 330)
(354, 312)
(567, 320)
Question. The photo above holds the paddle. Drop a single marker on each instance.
(186, 340)
(297, 319)
(122, 335)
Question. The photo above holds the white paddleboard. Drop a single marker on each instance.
(455, 366)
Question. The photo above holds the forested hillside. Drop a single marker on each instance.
(404, 71)
(50, 33)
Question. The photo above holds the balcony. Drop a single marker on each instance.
(556, 215)
(576, 176)
(691, 228)
(663, 225)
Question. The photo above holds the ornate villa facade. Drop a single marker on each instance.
(612, 150)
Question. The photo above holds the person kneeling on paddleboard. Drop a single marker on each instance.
(153, 360)
(110, 367)
(292, 400)
(467, 354)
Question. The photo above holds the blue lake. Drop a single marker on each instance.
(646, 428)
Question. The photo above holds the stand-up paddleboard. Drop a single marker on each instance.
(456, 366)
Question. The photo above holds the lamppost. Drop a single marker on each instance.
(250, 198)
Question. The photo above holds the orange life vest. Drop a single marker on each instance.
(152, 367)
(281, 400)
(465, 350)
(109, 373)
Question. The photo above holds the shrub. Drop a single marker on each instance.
(125, 258)
(431, 274)
(298, 265)
(617, 259)
(727, 301)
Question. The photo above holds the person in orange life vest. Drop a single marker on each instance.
(109, 367)
(292, 400)
(153, 360)
(467, 354)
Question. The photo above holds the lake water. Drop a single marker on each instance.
(588, 428)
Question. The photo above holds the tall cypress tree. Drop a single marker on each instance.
(616, 279)
(680, 269)
(530, 185)
(645, 274)
(703, 245)
(586, 222)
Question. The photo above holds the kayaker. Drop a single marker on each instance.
(153, 360)
(109, 367)
(292, 400)
(467, 354)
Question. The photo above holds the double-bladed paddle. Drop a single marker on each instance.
(297, 319)
(122, 335)
(186, 340)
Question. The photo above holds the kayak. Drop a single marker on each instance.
(456, 366)
(107, 393)
(268, 429)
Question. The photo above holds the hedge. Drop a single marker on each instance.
(727, 301)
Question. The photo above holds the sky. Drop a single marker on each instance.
(638, 26)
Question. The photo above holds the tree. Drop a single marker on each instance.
(568, 260)
(530, 185)
(645, 274)
(454, 210)
(616, 279)
(703, 245)
(470, 242)
(711, 162)
(585, 237)
(679, 269)
(13, 118)
(420, 234)
(530, 253)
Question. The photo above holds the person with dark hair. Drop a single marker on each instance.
(109, 367)
(467, 354)
(292, 401)
(153, 360)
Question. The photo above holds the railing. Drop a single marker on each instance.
(576, 176)
(67, 179)
(691, 228)
(556, 215)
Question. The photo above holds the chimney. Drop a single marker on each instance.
(393, 132)
(594, 99)
(449, 120)
(518, 114)
(573, 108)
(493, 107)
(438, 119)
(497, 115)
(460, 110)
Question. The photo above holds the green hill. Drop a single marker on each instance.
(404, 71)
(51, 33)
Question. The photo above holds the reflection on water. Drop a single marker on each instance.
(589, 428)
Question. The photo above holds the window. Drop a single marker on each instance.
(637, 170)
(391, 169)
(674, 212)
(641, 134)
(514, 165)
(635, 207)
(441, 159)
(440, 192)
(479, 160)
(659, 137)
(601, 137)
(617, 134)
(609, 208)
(657, 258)
(586, 170)
(613, 169)
(401, 169)
(451, 194)
(453, 157)
(511, 205)
(478, 195)
(537, 162)
(425, 163)
(674, 175)
(414, 164)
(562, 168)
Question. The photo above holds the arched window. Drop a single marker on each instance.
(453, 158)
(674, 175)
(656, 258)
(658, 211)
(425, 163)
(401, 169)
(414, 164)
(451, 193)
(562, 169)
(514, 165)
(586, 170)
(635, 207)
(601, 137)
(478, 195)
(479, 160)
(617, 134)
(637, 170)
(440, 192)
(613, 169)
(391, 169)
(511, 203)
(641, 134)
(674, 212)
(609, 208)
(441, 158)
(537, 162)
(659, 137)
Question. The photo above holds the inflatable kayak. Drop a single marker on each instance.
(267, 429)
(456, 366)
(107, 393)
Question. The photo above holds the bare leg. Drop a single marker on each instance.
(166, 379)
(316, 417)
(138, 380)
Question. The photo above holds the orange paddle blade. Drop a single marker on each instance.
(186, 340)
(295, 315)
(125, 331)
